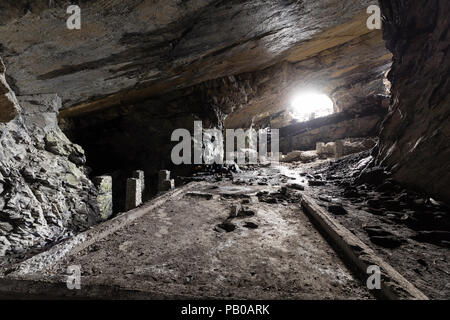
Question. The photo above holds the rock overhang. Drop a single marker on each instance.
(128, 51)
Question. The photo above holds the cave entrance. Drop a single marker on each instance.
(309, 105)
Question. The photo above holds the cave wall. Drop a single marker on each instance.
(348, 74)
(358, 123)
(138, 137)
(415, 137)
(120, 139)
(45, 193)
(9, 108)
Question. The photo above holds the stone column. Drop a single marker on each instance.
(105, 197)
(339, 149)
(139, 174)
(134, 194)
(319, 147)
(164, 181)
(326, 150)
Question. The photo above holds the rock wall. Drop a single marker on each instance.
(138, 137)
(364, 123)
(9, 108)
(348, 74)
(415, 137)
(45, 193)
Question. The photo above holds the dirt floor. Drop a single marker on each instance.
(407, 229)
(221, 241)
(241, 234)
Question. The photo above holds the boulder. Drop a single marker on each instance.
(303, 156)
(326, 150)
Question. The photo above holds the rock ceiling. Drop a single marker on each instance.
(127, 51)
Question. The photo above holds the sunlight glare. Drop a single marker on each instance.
(311, 105)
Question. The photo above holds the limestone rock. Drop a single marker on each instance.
(5, 245)
(44, 195)
(338, 126)
(9, 107)
(326, 150)
(164, 44)
(414, 141)
(104, 198)
(303, 156)
(356, 145)
(292, 156)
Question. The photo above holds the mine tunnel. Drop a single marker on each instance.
(357, 116)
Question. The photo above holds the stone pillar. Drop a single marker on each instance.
(326, 150)
(164, 175)
(105, 197)
(319, 148)
(164, 181)
(339, 149)
(139, 174)
(134, 194)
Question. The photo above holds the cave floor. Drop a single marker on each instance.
(245, 236)
(182, 249)
(403, 226)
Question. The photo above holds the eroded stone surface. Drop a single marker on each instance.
(9, 107)
(414, 141)
(342, 125)
(155, 46)
(44, 191)
(408, 229)
(105, 195)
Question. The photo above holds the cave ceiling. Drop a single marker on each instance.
(127, 51)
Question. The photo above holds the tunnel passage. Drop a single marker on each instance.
(133, 136)
(375, 160)
(120, 140)
(135, 133)
(309, 105)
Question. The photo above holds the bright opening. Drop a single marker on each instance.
(311, 105)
